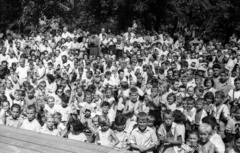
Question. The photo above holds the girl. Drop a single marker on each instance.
(106, 136)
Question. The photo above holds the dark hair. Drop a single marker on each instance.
(32, 107)
(51, 77)
(16, 106)
(211, 120)
(105, 103)
(216, 66)
(208, 79)
(179, 117)
(209, 95)
(220, 93)
(120, 120)
(77, 126)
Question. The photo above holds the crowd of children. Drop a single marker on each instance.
(138, 91)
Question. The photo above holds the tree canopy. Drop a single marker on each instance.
(216, 18)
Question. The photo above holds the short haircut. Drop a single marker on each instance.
(142, 115)
(51, 97)
(133, 90)
(57, 114)
(16, 106)
(220, 93)
(65, 98)
(171, 95)
(5, 101)
(77, 126)
(190, 99)
(168, 112)
(105, 103)
(32, 107)
(200, 100)
(151, 118)
(103, 120)
(211, 120)
(205, 128)
(199, 88)
(120, 120)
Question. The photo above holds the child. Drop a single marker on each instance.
(95, 124)
(221, 111)
(49, 127)
(106, 136)
(5, 112)
(130, 104)
(205, 145)
(171, 98)
(57, 122)
(170, 137)
(143, 138)
(14, 120)
(151, 120)
(64, 109)
(76, 131)
(191, 145)
(50, 108)
(190, 113)
(199, 90)
(120, 125)
(17, 98)
(200, 113)
(236, 147)
(30, 123)
(142, 106)
(208, 106)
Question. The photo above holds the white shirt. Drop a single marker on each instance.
(22, 72)
(218, 143)
(31, 126)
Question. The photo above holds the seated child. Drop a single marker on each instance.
(142, 106)
(169, 137)
(120, 125)
(191, 145)
(143, 138)
(171, 98)
(14, 120)
(205, 131)
(50, 108)
(31, 123)
(105, 136)
(76, 131)
(57, 122)
(64, 109)
(49, 127)
(200, 113)
(151, 120)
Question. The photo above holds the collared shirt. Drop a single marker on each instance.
(145, 139)
(123, 139)
(14, 122)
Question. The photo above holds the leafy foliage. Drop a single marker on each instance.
(217, 18)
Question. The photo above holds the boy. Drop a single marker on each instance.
(205, 132)
(221, 111)
(155, 104)
(49, 127)
(169, 134)
(123, 137)
(14, 120)
(31, 123)
(64, 109)
(143, 138)
(201, 113)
